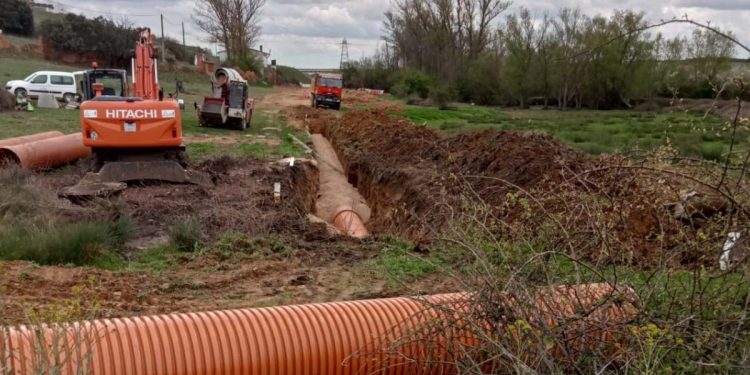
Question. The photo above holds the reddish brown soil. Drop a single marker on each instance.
(290, 260)
(7, 101)
(417, 182)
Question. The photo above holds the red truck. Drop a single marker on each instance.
(327, 90)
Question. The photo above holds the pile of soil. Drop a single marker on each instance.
(291, 259)
(302, 117)
(242, 200)
(7, 101)
(5, 44)
(416, 182)
(360, 97)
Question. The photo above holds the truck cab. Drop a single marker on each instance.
(327, 90)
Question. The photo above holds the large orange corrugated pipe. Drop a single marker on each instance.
(29, 138)
(46, 153)
(349, 223)
(326, 339)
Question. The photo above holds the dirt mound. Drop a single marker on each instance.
(5, 44)
(7, 101)
(409, 173)
(241, 201)
(364, 98)
(301, 117)
(417, 182)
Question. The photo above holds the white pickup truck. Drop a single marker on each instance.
(60, 84)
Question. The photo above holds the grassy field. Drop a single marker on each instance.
(14, 67)
(21, 40)
(595, 132)
(267, 138)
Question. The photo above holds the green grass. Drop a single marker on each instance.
(399, 265)
(595, 132)
(14, 67)
(263, 140)
(86, 243)
(18, 41)
(157, 259)
(14, 124)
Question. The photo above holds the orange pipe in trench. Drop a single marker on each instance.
(358, 337)
(46, 153)
(349, 223)
(29, 138)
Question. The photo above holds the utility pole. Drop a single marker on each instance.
(184, 46)
(163, 51)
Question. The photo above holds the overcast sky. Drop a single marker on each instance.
(308, 33)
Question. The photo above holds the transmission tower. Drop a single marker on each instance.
(344, 54)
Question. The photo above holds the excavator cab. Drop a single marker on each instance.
(114, 83)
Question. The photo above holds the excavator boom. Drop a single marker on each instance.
(144, 68)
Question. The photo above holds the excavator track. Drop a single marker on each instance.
(111, 172)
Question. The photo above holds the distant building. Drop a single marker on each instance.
(258, 54)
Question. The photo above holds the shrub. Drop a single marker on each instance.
(413, 82)
(73, 34)
(441, 95)
(187, 235)
(712, 151)
(79, 243)
(247, 63)
(16, 17)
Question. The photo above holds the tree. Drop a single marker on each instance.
(16, 17)
(233, 23)
(441, 36)
(72, 34)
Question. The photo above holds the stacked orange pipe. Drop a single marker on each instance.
(332, 338)
(29, 138)
(45, 152)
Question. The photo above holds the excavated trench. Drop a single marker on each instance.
(416, 181)
(339, 203)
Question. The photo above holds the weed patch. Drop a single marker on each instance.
(187, 235)
(76, 243)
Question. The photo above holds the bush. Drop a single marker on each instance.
(187, 235)
(441, 95)
(79, 244)
(712, 151)
(247, 63)
(16, 17)
(72, 33)
(413, 82)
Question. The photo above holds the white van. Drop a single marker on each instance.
(60, 84)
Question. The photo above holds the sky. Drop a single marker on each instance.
(309, 33)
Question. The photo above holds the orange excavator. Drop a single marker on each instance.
(136, 137)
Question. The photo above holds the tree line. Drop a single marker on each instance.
(474, 51)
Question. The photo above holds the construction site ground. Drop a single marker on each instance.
(256, 251)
